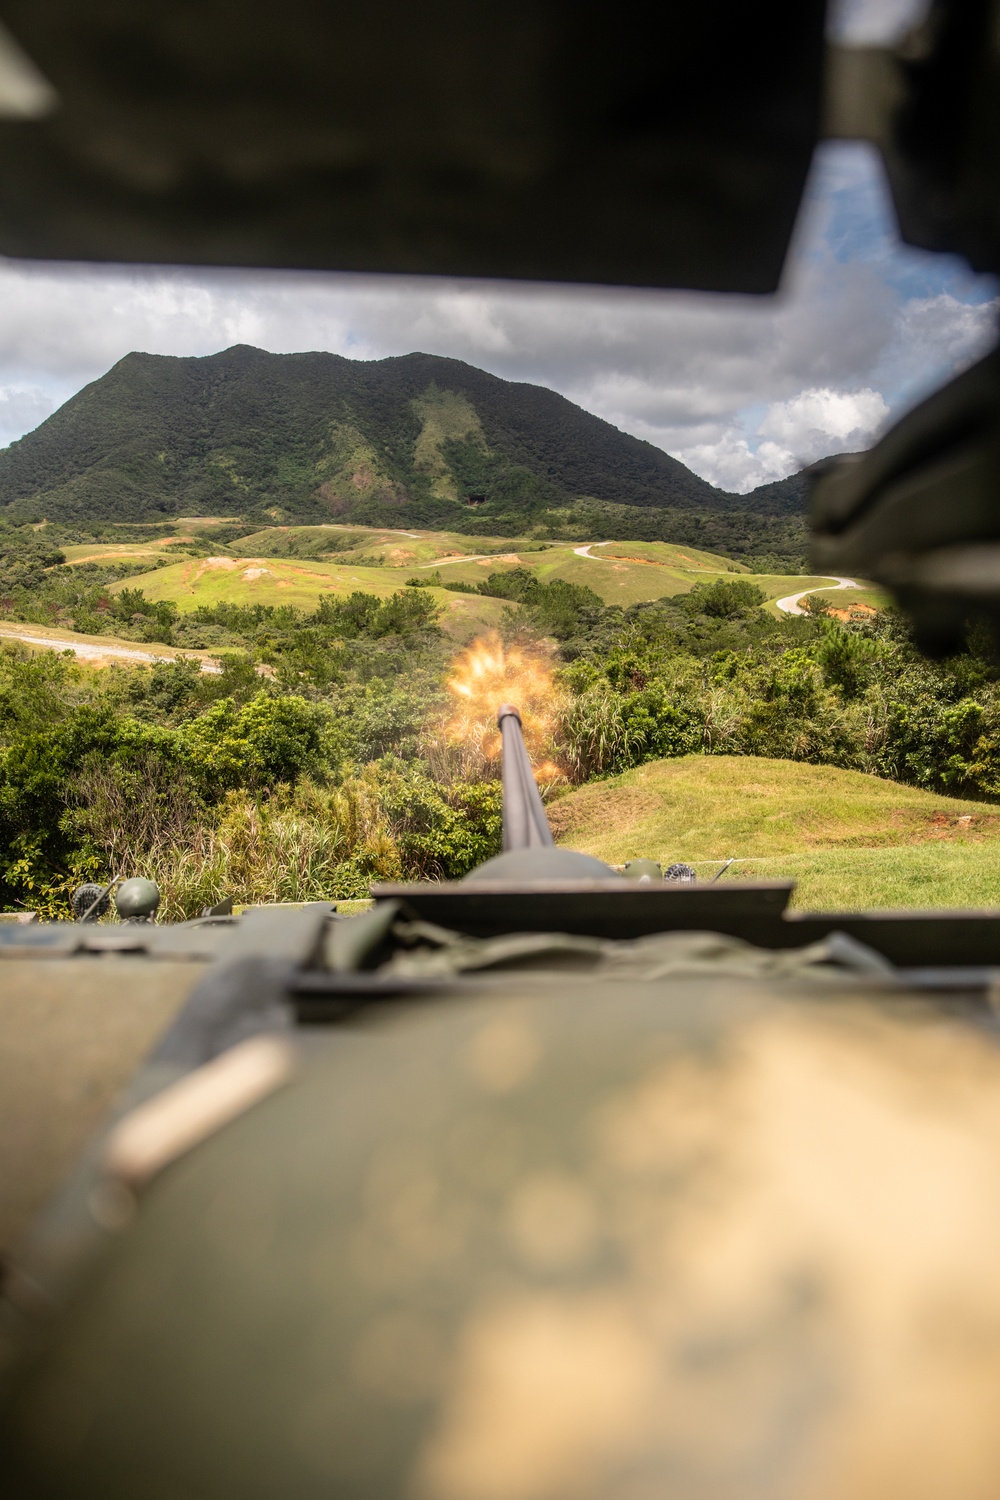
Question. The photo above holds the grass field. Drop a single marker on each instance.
(863, 600)
(274, 580)
(400, 549)
(623, 574)
(619, 572)
(850, 840)
(124, 551)
(868, 597)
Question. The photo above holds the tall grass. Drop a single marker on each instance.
(303, 844)
(295, 843)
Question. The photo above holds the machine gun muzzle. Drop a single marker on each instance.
(525, 825)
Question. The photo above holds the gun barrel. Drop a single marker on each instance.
(525, 825)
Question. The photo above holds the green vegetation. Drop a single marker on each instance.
(162, 593)
(557, 609)
(394, 442)
(226, 784)
(620, 573)
(269, 564)
(710, 671)
(37, 585)
(925, 876)
(314, 761)
(304, 519)
(196, 591)
(184, 567)
(849, 840)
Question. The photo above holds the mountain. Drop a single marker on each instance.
(319, 436)
(782, 497)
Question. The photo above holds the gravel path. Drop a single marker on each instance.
(790, 605)
(91, 651)
(585, 551)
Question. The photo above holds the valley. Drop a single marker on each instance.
(297, 565)
(196, 564)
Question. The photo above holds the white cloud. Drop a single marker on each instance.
(21, 408)
(932, 338)
(729, 462)
(818, 422)
(789, 435)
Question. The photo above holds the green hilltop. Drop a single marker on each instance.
(849, 840)
(404, 441)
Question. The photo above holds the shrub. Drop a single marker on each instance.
(604, 731)
(308, 842)
(266, 741)
(723, 600)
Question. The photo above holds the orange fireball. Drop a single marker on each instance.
(488, 674)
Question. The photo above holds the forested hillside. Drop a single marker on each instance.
(394, 441)
(332, 748)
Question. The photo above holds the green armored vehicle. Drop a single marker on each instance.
(548, 1184)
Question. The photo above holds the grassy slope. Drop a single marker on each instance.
(850, 840)
(618, 580)
(844, 598)
(629, 573)
(840, 599)
(643, 566)
(274, 580)
(401, 549)
(621, 573)
(123, 551)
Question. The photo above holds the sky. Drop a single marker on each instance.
(743, 390)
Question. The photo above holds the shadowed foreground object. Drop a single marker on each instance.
(545, 140)
(919, 513)
(707, 1238)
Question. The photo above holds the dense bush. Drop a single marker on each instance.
(311, 763)
(712, 672)
(304, 841)
(232, 782)
(559, 609)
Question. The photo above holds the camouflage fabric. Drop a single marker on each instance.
(425, 950)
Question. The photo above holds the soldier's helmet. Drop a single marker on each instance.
(137, 900)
